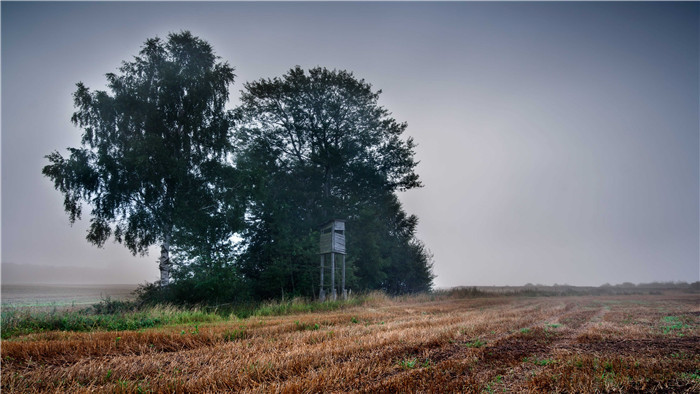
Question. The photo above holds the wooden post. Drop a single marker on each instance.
(321, 293)
(345, 292)
(334, 294)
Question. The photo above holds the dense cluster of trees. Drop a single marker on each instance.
(163, 162)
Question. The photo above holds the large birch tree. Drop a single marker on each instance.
(153, 149)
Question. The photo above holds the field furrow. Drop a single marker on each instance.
(569, 344)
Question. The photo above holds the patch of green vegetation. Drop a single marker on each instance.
(413, 362)
(300, 306)
(116, 315)
(694, 376)
(675, 325)
(608, 377)
(489, 387)
(306, 326)
(195, 330)
(554, 325)
(475, 343)
(257, 366)
(101, 316)
(235, 335)
(525, 330)
(408, 363)
(543, 361)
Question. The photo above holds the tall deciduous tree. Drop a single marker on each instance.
(317, 145)
(154, 149)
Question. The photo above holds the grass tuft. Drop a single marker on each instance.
(475, 343)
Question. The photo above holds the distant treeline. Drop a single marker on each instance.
(529, 289)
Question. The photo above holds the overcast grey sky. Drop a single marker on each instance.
(558, 141)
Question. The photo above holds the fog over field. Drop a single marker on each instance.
(558, 142)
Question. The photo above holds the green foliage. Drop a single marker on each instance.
(548, 361)
(475, 343)
(207, 280)
(152, 161)
(235, 335)
(25, 321)
(543, 361)
(408, 363)
(691, 376)
(497, 380)
(306, 326)
(108, 306)
(110, 315)
(674, 324)
(300, 306)
(316, 145)
(386, 254)
(157, 165)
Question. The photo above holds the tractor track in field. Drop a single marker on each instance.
(449, 346)
(500, 352)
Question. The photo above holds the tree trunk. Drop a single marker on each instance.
(165, 264)
(327, 183)
(326, 193)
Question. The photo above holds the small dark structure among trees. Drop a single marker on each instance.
(332, 242)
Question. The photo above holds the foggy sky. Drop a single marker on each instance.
(558, 142)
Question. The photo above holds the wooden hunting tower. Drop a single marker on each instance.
(333, 237)
(332, 241)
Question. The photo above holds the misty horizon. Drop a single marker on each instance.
(65, 276)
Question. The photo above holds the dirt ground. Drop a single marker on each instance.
(492, 344)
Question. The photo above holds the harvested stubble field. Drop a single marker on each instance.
(490, 344)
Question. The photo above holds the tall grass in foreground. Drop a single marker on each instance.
(109, 315)
(20, 321)
(302, 305)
